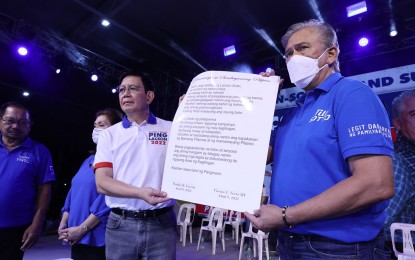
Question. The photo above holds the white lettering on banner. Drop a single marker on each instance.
(288, 97)
(369, 129)
(382, 81)
(390, 80)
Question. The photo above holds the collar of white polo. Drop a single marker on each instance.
(150, 120)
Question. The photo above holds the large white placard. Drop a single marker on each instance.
(219, 140)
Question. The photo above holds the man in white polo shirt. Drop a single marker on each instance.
(129, 168)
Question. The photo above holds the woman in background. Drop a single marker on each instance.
(85, 213)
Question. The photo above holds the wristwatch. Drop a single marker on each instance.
(84, 228)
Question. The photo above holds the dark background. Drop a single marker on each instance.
(174, 41)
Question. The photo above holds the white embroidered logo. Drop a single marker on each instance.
(23, 158)
(320, 115)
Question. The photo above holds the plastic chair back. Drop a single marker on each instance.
(185, 213)
(216, 218)
(185, 220)
(206, 219)
(408, 245)
(235, 223)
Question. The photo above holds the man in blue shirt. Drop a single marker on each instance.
(332, 166)
(26, 173)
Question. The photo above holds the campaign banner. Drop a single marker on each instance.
(382, 82)
(389, 80)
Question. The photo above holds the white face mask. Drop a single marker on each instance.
(95, 134)
(302, 69)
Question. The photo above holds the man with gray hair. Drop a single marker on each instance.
(403, 108)
(332, 166)
(402, 207)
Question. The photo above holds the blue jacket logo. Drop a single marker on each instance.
(321, 115)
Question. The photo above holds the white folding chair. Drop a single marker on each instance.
(214, 226)
(408, 245)
(185, 220)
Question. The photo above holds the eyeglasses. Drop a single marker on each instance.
(10, 121)
(131, 88)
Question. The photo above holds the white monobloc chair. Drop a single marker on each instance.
(236, 224)
(185, 220)
(214, 226)
(407, 241)
(260, 237)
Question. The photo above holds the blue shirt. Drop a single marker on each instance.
(21, 171)
(338, 119)
(82, 200)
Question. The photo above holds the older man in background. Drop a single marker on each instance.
(402, 206)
